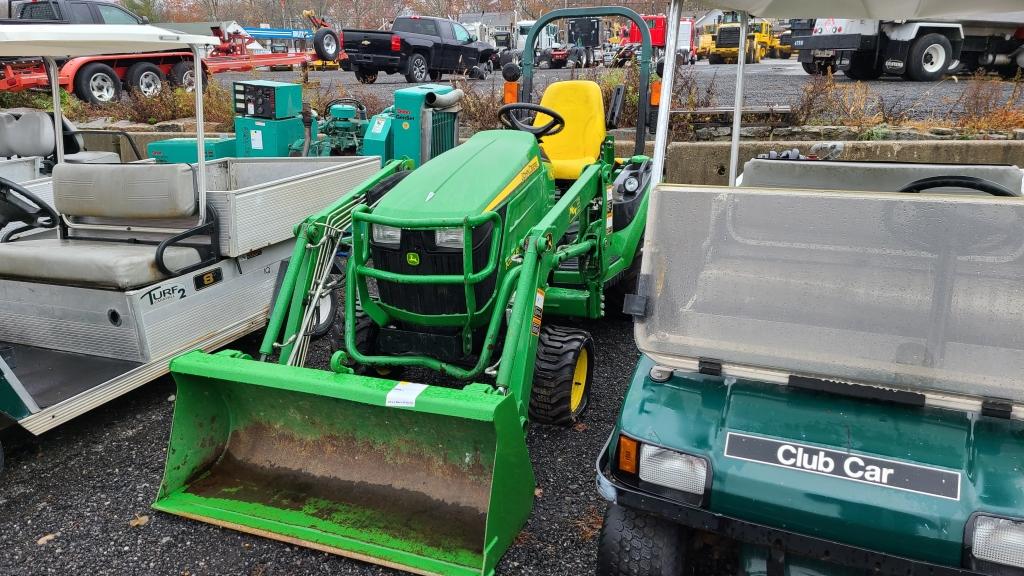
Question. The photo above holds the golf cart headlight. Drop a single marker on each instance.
(448, 237)
(632, 184)
(386, 235)
(999, 541)
(673, 470)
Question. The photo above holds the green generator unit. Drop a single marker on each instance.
(257, 137)
(183, 150)
(423, 123)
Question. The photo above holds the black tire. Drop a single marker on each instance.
(366, 343)
(418, 69)
(435, 75)
(715, 59)
(326, 313)
(556, 375)
(365, 77)
(145, 79)
(862, 67)
(930, 56)
(624, 284)
(633, 543)
(98, 84)
(326, 44)
(183, 75)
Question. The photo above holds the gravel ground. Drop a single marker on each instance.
(85, 482)
(778, 82)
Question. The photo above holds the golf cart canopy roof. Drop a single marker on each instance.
(873, 9)
(70, 40)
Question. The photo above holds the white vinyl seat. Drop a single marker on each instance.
(7, 122)
(125, 195)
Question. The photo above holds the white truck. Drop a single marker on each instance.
(511, 44)
(918, 50)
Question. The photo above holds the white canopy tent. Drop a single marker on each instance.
(868, 9)
(52, 41)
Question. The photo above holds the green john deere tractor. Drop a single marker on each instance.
(460, 268)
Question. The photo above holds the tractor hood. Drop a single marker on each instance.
(473, 177)
(914, 292)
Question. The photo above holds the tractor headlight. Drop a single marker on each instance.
(673, 469)
(632, 184)
(386, 235)
(998, 540)
(448, 238)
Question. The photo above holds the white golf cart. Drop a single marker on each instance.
(139, 262)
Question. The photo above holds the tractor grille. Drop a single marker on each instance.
(728, 37)
(444, 132)
(431, 298)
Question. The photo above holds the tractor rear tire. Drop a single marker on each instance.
(623, 285)
(373, 195)
(633, 543)
(562, 376)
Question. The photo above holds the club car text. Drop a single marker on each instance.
(844, 465)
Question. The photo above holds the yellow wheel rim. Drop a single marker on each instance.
(579, 380)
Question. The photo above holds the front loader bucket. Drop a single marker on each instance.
(434, 483)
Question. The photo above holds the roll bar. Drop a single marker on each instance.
(646, 51)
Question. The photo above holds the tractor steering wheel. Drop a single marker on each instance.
(19, 205)
(969, 182)
(511, 120)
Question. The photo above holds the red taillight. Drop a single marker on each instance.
(341, 38)
(396, 43)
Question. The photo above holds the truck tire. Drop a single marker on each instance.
(145, 79)
(97, 83)
(929, 58)
(326, 44)
(562, 376)
(365, 76)
(418, 71)
(633, 543)
(715, 59)
(435, 75)
(183, 75)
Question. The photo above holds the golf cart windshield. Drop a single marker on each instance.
(916, 291)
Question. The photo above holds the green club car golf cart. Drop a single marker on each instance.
(832, 378)
(463, 269)
(136, 263)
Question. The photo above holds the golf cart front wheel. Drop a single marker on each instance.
(562, 376)
(636, 544)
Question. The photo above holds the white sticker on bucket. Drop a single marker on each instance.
(404, 394)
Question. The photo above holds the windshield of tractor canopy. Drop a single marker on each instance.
(914, 291)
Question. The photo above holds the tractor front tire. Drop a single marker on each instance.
(562, 376)
(366, 343)
(326, 312)
(636, 544)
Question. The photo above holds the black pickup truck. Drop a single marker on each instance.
(419, 47)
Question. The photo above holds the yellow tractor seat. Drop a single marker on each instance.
(581, 104)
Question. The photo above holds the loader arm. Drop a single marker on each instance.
(317, 240)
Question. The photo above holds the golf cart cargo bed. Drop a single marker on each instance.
(245, 190)
(919, 292)
(52, 376)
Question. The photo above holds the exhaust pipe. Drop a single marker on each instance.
(435, 100)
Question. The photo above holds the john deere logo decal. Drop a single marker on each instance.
(412, 258)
